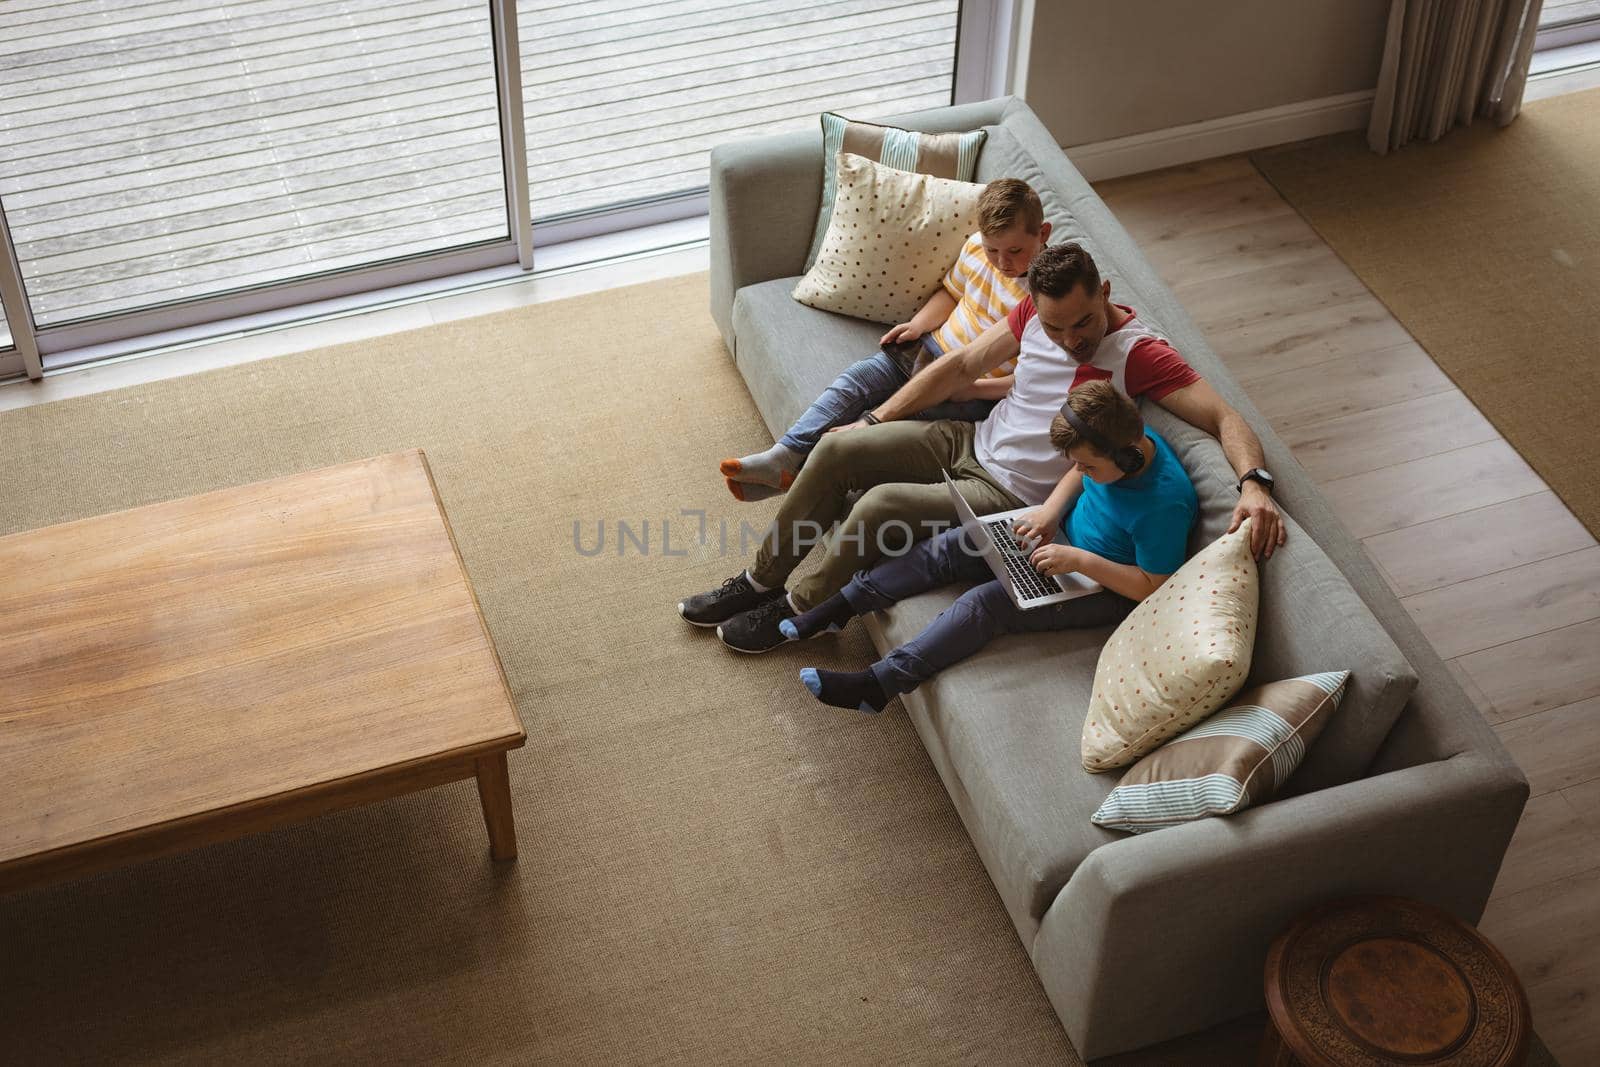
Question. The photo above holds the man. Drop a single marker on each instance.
(1066, 333)
(1126, 518)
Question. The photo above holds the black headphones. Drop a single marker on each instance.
(1129, 458)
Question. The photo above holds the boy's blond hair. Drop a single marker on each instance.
(1006, 202)
(1105, 411)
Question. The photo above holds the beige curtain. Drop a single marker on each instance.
(1446, 62)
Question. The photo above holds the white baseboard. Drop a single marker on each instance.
(1220, 137)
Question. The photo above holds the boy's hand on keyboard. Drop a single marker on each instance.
(1053, 559)
(1036, 526)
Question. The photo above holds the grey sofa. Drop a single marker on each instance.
(1138, 939)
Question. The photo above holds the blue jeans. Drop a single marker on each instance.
(861, 387)
(980, 615)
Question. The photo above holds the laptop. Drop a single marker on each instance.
(1008, 558)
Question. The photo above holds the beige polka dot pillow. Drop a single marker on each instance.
(1177, 657)
(893, 237)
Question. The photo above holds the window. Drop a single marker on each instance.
(168, 164)
(1565, 23)
(623, 102)
(162, 152)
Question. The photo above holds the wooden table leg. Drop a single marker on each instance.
(494, 791)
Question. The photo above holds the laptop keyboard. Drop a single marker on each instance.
(1029, 582)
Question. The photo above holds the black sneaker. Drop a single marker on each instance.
(757, 629)
(733, 597)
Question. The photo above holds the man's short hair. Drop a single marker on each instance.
(1005, 202)
(1105, 410)
(1059, 269)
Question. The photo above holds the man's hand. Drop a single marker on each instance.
(1266, 531)
(850, 426)
(1036, 526)
(1053, 559)
(903, 332)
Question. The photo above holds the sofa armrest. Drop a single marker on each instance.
(764, 198)
(1165, 933)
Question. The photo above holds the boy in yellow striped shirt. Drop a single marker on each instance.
(989, 279)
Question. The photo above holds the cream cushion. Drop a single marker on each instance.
(1177, 657)
(892, 238)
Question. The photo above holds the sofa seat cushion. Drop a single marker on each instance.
(1005, 725)
(788, 353)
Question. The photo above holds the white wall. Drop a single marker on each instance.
(1097, 71)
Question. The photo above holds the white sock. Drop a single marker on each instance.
(769, 467)
(757, 586)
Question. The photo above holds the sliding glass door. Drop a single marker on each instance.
(169, 163)
(624, 101)
(154, 153)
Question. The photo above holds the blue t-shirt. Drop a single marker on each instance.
(1143, 519)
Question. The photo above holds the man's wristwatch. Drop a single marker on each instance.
(1257, 474)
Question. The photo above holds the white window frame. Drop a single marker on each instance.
(24, 354)
(986, 48)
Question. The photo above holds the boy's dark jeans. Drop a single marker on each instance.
(981, 614)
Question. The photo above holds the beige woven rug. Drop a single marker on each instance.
(1486, 246)
(713, 868)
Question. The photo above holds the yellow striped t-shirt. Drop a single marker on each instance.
(983, 296)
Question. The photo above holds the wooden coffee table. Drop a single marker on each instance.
(202, 669)
(1378, 981)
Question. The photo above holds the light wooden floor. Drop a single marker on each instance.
(1495, 570)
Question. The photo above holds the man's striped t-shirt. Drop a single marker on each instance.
(983, 296)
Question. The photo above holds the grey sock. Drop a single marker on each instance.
(765, 468)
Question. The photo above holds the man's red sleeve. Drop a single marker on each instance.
(1155, 369)
(1020, 315)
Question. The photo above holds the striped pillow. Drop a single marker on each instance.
(941, 155)
(1239, 757)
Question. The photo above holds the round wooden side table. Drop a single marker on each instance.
(1385, 981)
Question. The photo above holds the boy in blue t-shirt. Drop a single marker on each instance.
(1129, 506)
